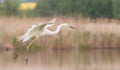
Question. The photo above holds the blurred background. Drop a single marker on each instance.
(93, 45)
(83, 8)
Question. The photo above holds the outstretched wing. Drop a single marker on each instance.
(26, 36)
(51, 21)
(34, 30)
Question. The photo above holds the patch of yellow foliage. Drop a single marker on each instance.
(25, 6)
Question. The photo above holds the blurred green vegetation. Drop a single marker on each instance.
(9, 8)
(85, 8)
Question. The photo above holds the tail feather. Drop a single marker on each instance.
(20, 38)
(26, 39)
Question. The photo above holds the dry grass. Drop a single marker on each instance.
(102, 33)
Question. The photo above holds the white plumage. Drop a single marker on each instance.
(35, 30)
(40, 30)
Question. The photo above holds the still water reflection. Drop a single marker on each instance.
(62, 60)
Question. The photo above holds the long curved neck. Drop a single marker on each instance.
(59, 27)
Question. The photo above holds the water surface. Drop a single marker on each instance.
(62, 60)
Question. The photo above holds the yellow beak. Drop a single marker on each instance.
(72, 27)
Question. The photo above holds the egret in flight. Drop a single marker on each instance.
(39, 30)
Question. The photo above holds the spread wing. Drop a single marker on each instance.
(30, 32)
(51, 21)
(26, 36)
(35, 30)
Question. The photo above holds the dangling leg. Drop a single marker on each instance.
(17, 52)
(28, 46)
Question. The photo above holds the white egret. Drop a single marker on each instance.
(40, 30)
